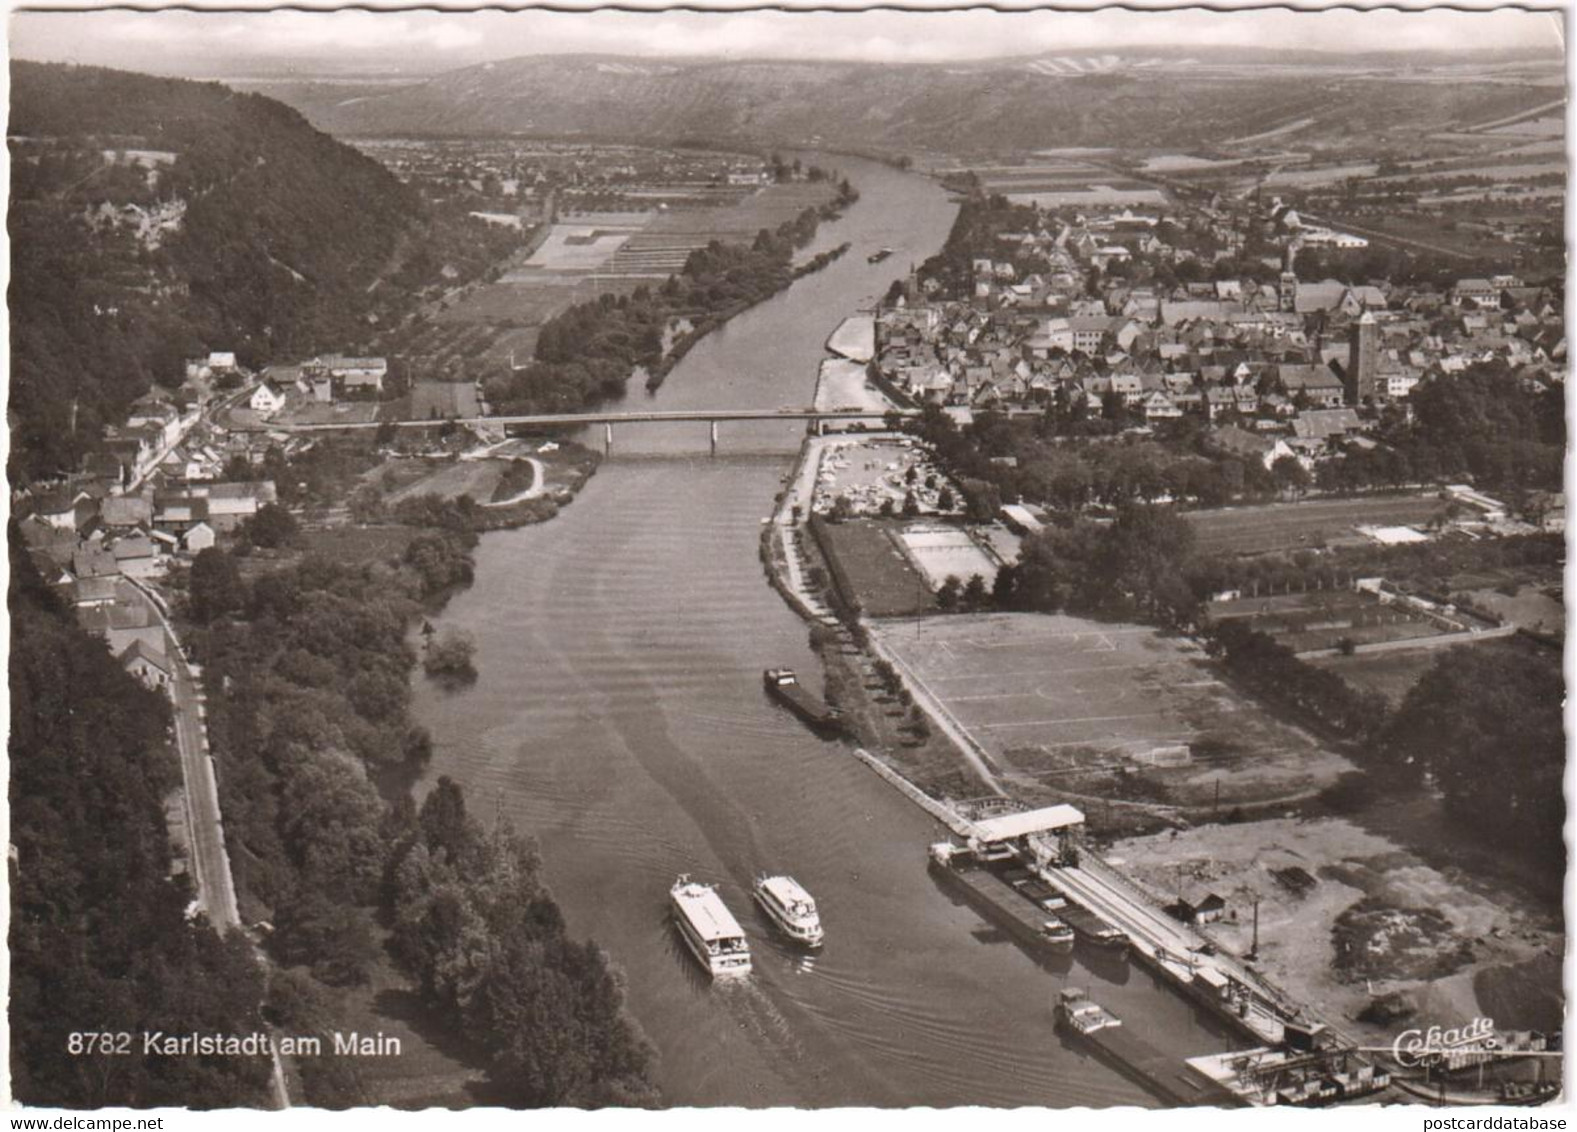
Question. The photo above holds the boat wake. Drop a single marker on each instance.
(752, 1008)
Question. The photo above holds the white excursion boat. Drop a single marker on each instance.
(709, 928)
(791, 908)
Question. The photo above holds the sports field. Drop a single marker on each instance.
(1307, 525)
(943, 552)
(1321, 619)
(868, 567)
(1082, 707)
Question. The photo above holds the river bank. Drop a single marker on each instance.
(1376, 936)
(456, 490)
(619, 716)
(703, 323)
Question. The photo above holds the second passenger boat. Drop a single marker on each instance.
(791, 908)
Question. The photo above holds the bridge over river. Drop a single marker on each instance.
(710, 417)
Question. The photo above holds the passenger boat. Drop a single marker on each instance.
(1078, 1013)
(709, 929)
(791, 908)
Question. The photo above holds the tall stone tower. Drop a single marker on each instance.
(1287, 292)
(1363, 360)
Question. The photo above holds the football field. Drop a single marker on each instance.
(1105, 709)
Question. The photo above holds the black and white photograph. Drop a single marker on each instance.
(787, 559)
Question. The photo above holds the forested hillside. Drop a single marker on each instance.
(155, 219)
(99, 941)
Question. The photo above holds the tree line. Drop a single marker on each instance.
(587, 354)
(474, 924)
(99, 939)
(316, 666)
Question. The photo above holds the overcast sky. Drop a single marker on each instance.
(233, 44)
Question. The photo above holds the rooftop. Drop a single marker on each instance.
(1009, 826)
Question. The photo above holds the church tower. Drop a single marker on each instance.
(1363, 360)
(1287, 290)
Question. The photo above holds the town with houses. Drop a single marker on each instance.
(1152, 546)
(171, 483)
(1300, 366)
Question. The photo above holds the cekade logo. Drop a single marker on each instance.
(1413, 1048)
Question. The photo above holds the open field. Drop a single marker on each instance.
(842, 384)
(443, 399)
(741, 220)
(518, 346)
(359, 544)
(581, 247)
(1533, 128)
(303, 410)
(530, 299)
(1069, 707)
(1096, 194)
(1413, 230)
(476, 478)
(1323, 175)
(1366, 917)
(1307, 525)
(1531, 608)
(867, 561)
(588, 254)
(1321, 619)
(1393, 674)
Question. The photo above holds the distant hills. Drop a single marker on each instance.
(1139, 98)
(155, 219)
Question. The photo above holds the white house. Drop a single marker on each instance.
(198, 537)
(267, 399)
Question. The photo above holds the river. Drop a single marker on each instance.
(619, 718)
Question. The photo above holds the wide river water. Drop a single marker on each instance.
(619, 718)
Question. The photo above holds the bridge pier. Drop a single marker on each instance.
(713, 431)
(607, 438)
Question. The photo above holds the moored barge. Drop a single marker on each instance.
(784, 686)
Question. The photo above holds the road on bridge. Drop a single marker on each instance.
(700, 416)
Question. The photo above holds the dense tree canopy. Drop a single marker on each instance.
(1135, 567)
(476, 926)
(99, 940)
(1485, 720)
(275, 233)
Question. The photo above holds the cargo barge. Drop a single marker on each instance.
(1170, 1078)
(1027, 922)
(1092, 929)
(784, 687)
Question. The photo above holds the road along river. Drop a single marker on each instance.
(620, 719)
